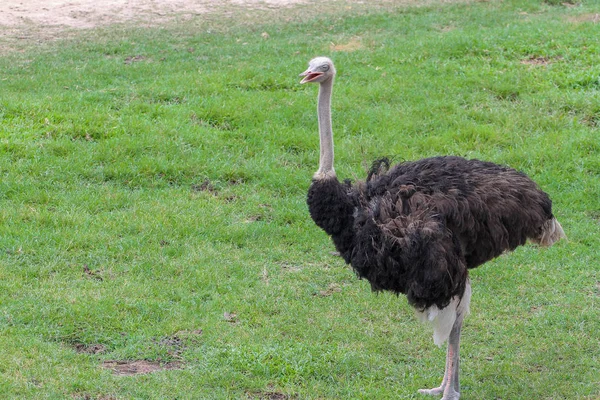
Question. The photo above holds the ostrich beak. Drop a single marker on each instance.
(310, 76)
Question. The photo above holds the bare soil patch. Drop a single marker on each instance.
(538, 60)
(578, 19)
(23, 22)
(348, 47)
(93, 13)
(39, 21)
(269, 395)
(331, 289)
(138, 367)
(95, 348)
(86, 396)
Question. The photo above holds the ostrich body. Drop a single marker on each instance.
(418, 227)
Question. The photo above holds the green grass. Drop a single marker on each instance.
(153, 180)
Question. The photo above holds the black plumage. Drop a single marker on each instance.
(418, 227)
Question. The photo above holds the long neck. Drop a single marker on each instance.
(325, 132)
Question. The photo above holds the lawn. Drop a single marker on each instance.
(152, 204)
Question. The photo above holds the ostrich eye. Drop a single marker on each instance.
(325, 67)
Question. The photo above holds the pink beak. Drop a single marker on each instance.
(310, 76)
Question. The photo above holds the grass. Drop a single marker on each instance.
(152, 204)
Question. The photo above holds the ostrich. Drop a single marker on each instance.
(418, 227)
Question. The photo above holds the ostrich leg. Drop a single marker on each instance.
(450, 387)
(439, 390)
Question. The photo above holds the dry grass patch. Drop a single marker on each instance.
(353, 45)
(445, 28)
(34, 22)
(583, 18)
(139, 367)
(269, 395)
(95, 348)
(86, 396)
(539, 60)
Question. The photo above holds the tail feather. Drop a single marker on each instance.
(378, 168)
(552, 232)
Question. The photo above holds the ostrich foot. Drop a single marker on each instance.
(432, 392)
(448, 392)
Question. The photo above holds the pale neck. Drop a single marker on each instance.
(325, 132)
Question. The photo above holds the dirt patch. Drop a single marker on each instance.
(95, 348)
(331, 289)
(86, 396)
(205, 186)
(139, 367)
(92, 274)
(38, 21)
(578, 19)
(93, 13)
(230, 317)
(536, 60)
(133, 59)
(269, 395)
(23, 22)
(352, 45)
(177, 344)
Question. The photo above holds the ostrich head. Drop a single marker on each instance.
(320, 69)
